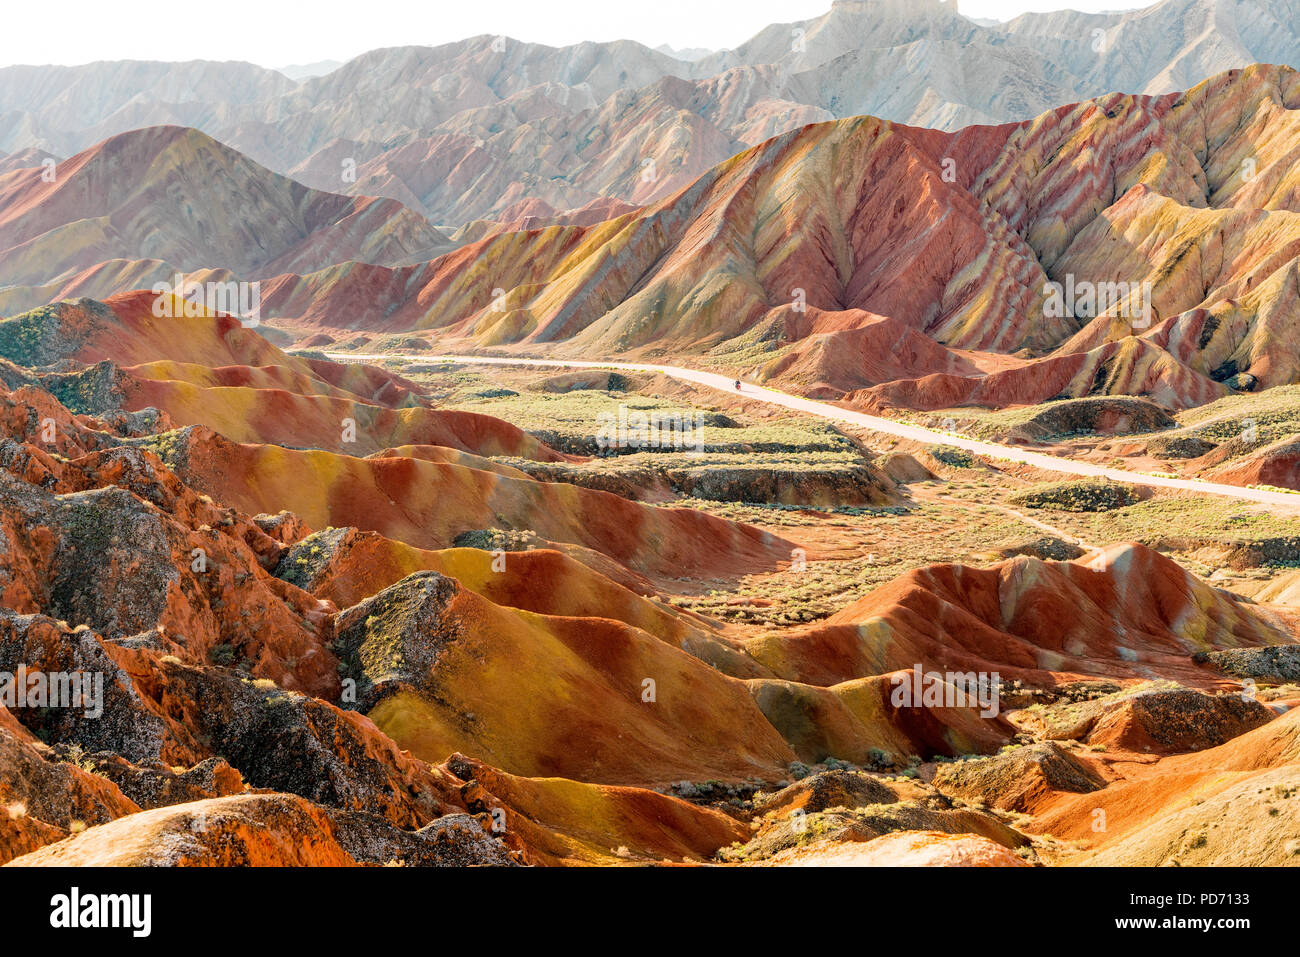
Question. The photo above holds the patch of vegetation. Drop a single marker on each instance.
(223, 655)
(169, 446)
(1164, 519)
(1055, 420)
(591, 422)
(26, 339)
(1078, 496)
(814, 479)
(890, 541)
(784, 461)
(87, 392)
(1265, 417)
(498, 540)
(302, 563)
(951, 456)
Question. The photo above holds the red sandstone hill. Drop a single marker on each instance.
(1277, 464)
(1125, 612)
(429, 504)
(122, 200)
(200, 660)
(210, 369)
(220, 373)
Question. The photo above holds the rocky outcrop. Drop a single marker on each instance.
(418, 649)
(861, 720)
(1176, 720)
(43, 798)
(1279, 664)
(455, 840)
(1046, 548)
(1277, 465)
(791, 829)
(1019, 779)
(1091, 416)
(1162, 719)
(119, 545)
(1079, 496)
(262, 830)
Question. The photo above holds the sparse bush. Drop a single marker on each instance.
(1078, 497)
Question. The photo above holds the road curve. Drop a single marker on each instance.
(876, 423)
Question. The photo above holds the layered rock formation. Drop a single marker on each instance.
(1158, 267)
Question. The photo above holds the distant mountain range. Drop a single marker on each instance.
(470, 130)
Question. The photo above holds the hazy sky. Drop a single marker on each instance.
(277, 33)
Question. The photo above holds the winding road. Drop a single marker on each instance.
(876, 423)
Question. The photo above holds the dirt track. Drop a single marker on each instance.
(877, 423)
